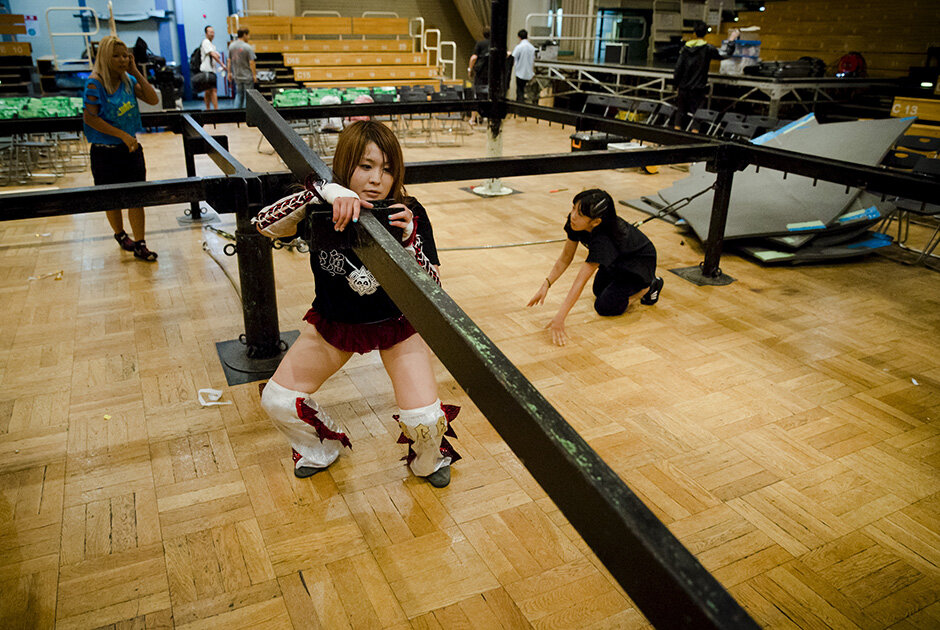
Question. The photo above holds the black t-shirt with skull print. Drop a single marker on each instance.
(345, 290)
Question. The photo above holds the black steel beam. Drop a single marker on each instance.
(871, 178)
(666, 581)
(581, 122)
(299, 157)
(219, 154)
(172, 118)
(453, 170)
(496, 77)
(718, 222)
(50, 203)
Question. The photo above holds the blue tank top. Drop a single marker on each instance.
(118, 109)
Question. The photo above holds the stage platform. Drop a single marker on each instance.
(725, 91)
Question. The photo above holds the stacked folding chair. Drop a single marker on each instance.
(449, 127)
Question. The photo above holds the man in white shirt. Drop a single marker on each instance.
(524, 65)
(211, 63)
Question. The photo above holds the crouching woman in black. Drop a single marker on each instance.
(621, 255)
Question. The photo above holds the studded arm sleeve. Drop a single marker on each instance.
(281, 217)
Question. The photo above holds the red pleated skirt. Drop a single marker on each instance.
(361, 338)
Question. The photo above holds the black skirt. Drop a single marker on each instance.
(115, 164)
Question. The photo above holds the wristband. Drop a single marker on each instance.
(549, 282)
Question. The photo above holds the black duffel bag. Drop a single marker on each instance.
(203, 81)
(801, 68)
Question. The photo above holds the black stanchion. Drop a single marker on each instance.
(726, 161)
(716, 227)
(193, 146)
(256, 354)
(195, 212)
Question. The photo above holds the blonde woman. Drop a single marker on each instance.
(112, 120)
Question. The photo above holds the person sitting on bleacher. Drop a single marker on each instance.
(691, 73)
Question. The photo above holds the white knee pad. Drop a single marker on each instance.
(424, 430)
(313, 435)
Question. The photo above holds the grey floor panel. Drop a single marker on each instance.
(764, 204)
(861, 246)
(864, 211)
(700, 179)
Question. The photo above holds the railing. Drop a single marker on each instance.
(583, 23)
(268, 11)
(416, 32)
(86, 35)
(449, 61)
(432, 48)
(437, 48)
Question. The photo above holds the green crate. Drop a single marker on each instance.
(17, 102)
(316, 94)
(352, 94)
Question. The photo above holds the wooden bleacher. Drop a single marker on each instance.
(339, 51)
(331, 45)
(355, 58)
(391, 74)
(16, 58)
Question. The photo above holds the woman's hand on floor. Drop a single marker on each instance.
(539, 297)
(557, 326)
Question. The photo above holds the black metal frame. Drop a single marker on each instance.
(667, 583)
(641, 553)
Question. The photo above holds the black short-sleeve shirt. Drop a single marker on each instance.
(481, 48)
(345, 290)
(618, 247)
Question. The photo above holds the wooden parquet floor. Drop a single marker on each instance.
(786, 428)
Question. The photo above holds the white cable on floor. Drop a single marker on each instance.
(469, 247)
(206, 248)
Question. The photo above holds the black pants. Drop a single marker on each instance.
(520, 89)
(688, 101)
(613, 291)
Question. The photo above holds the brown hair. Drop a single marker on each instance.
(242, 32)
(352, 143)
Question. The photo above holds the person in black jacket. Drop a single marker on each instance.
(691, 74)
(477, 70)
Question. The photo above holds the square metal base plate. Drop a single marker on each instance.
(239, 368)
(694, 275)
(478, 191)
(206, 215)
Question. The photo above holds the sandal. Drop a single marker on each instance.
(124, 241)
(141, 251)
